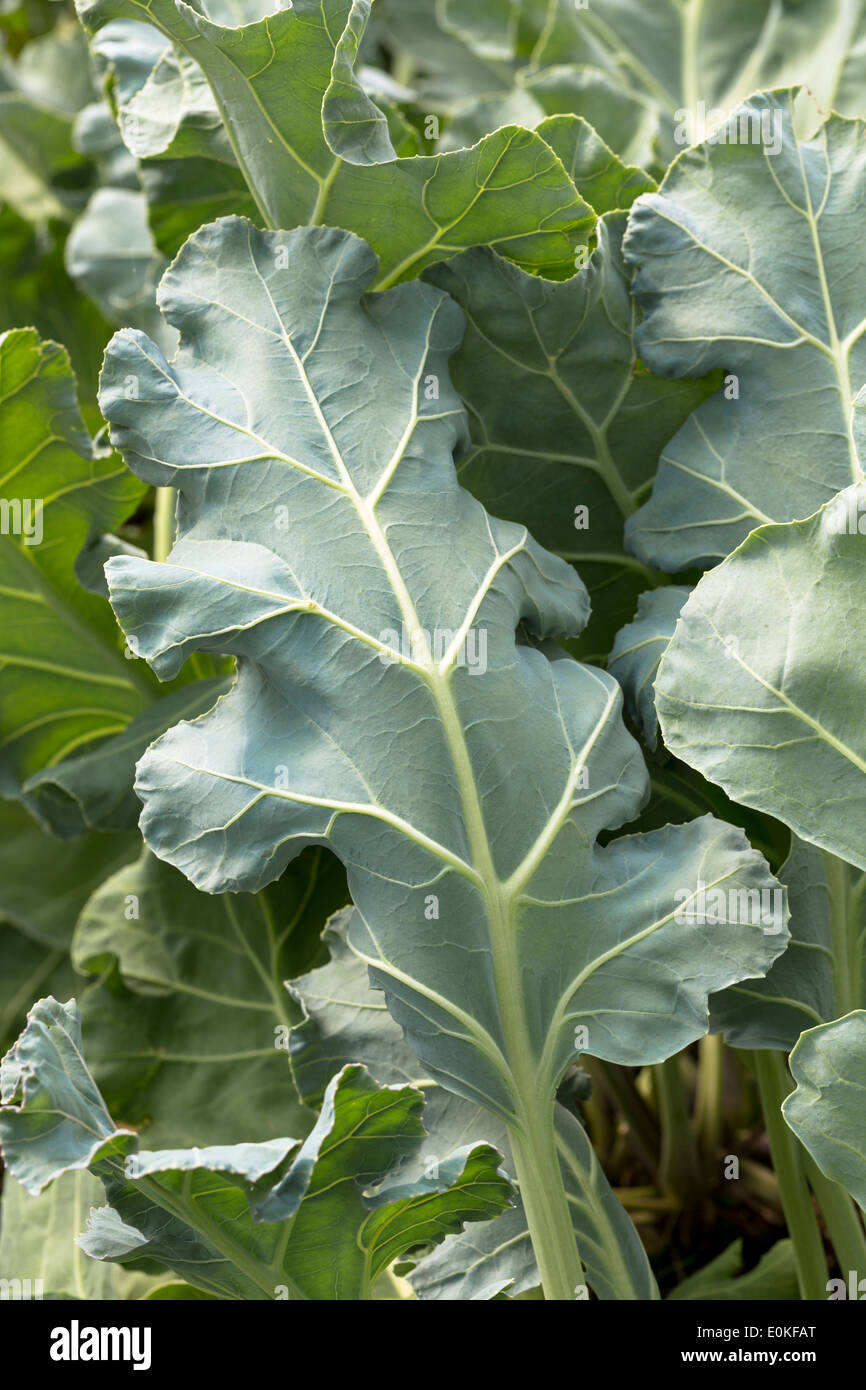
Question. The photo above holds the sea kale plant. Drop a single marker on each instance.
(433, 835)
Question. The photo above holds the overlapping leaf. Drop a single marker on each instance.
(821, 972)
(638, 649)
(346, 1020)
(688, 62)
(744, 261)
(59, 490)
(277, 1219)
(566, 424)
(485, 910)
(194, 1005)
(760, 688)
(278, 80)
(827, 1111)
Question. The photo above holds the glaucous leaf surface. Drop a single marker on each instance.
(169, 120)
(827, 1111)
(294, 389)
(745, 261)
(111, 256)
(566, 424)
(346, 1019)
(804, 985)
(760, 688)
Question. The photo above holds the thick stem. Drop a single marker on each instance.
(708, 1106)
(680, 1170)
(775, 1085)
(842, 1218)
(546, 1206)
(163, 523)
(844, 935)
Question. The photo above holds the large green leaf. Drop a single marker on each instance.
(744, 261)
(197, 1007)
(688, 61)
(566, 424)
(760, 688)
(63, 679)
(319, 1219)
(301, 396)
(345, 1020)
(804, 985)
(271, 79)
(94, 790)
(827, 1111)
(170, 122)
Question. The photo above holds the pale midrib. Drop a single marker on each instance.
(692, 16)
(838, 349)
(500, 903)
(190, 1213)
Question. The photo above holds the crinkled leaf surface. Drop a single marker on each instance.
(347, 1020)
(53, 1119)
(744, 261)
(293, 389)
(760, 688)
(827, 1111)
(638, 649)
(271, 79)
(566, 424)
(170, 122)
(252, 1219)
